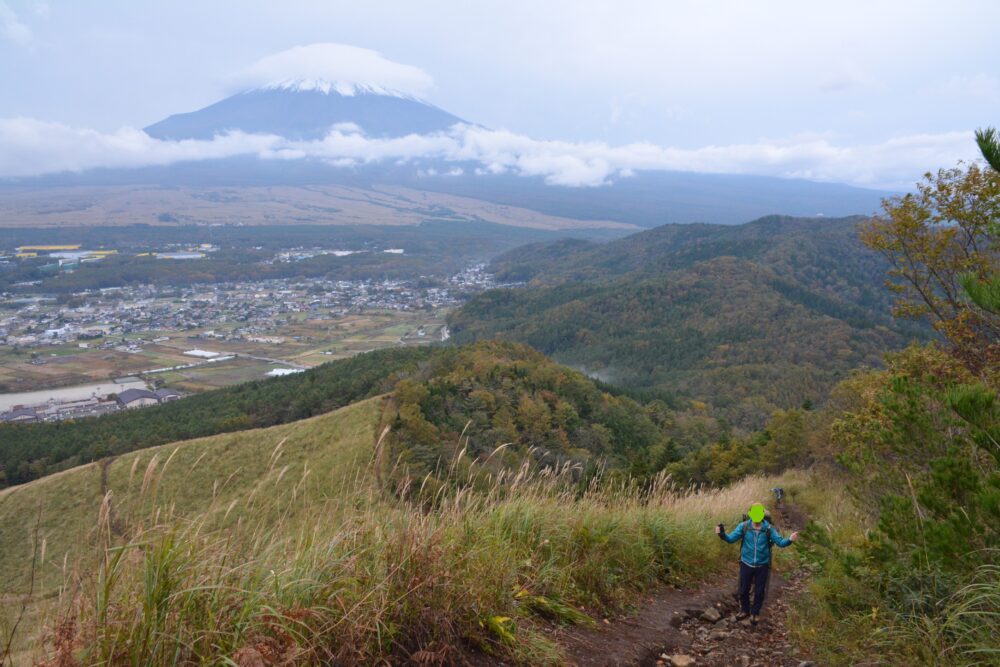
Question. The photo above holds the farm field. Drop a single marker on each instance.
(206, 377)
(70, 365)
(301, 342)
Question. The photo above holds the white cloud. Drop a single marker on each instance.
(11, 28)
(341, 67)
(32, 147)
(980, 85)
(846, 81)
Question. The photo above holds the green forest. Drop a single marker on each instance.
(504, 405)
(745, 319)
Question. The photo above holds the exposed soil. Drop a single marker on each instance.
(672, 627)
(114, 521)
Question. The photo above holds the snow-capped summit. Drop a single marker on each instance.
(303, 92)
(345, 88)
(304, 112)
(327, 67)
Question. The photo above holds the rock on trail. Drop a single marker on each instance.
(697, 628)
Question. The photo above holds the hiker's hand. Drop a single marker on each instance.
(794, 536)
(718, 530)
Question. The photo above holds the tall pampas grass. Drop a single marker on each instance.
(367, 577)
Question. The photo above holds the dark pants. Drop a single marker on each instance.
(758, 577)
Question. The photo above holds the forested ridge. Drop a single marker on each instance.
(504, 405)
(746, 319)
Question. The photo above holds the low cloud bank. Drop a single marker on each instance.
(31, 147)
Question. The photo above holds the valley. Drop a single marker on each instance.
(315, 204)
(318, 357)
(200, 338)
(145, 329)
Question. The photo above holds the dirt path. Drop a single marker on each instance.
(674, 627)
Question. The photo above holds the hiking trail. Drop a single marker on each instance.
(697, 627)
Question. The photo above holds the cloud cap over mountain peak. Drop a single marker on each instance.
(328, 66)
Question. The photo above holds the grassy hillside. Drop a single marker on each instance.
(275, 545)
(30, 451)
(289, 542)
(314, 458)
(746, 319)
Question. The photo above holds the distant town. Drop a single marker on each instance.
(253, 307)
(99, 351)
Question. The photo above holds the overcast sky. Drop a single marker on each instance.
(855, 78)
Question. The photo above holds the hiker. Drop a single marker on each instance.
(779, 493)
(756, 535)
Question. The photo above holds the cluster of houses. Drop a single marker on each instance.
(255, 308)
(140, 398)
(126, 400)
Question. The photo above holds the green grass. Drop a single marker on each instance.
(202, 475)
(281, 542)
(218, 374)
(396, 330)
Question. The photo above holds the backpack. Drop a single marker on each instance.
(744, 519)
(767, 517)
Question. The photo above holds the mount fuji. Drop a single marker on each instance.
(356, 125)
(306, 110)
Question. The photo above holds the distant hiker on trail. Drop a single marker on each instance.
(779, 493)
(757, 535)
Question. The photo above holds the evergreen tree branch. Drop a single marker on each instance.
(989, 146)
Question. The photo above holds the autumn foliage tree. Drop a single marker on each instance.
(934, 240)
(473, 411)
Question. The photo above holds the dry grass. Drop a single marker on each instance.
(362, 579)
(278, 546)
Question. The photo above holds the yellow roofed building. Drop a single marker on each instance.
(47, 248)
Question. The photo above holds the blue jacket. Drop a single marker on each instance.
(757, 542)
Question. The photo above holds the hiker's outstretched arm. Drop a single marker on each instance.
(778, 539)
(735, 535)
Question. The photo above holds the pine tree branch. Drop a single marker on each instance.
(989, 146)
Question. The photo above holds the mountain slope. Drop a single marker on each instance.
(490, 169)
(746, 319)
(546, 414)
(508, 406)
(653, 198)
(277, 543)
(305, 114)
(33, 450)
(646, 199)
(202, 476)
